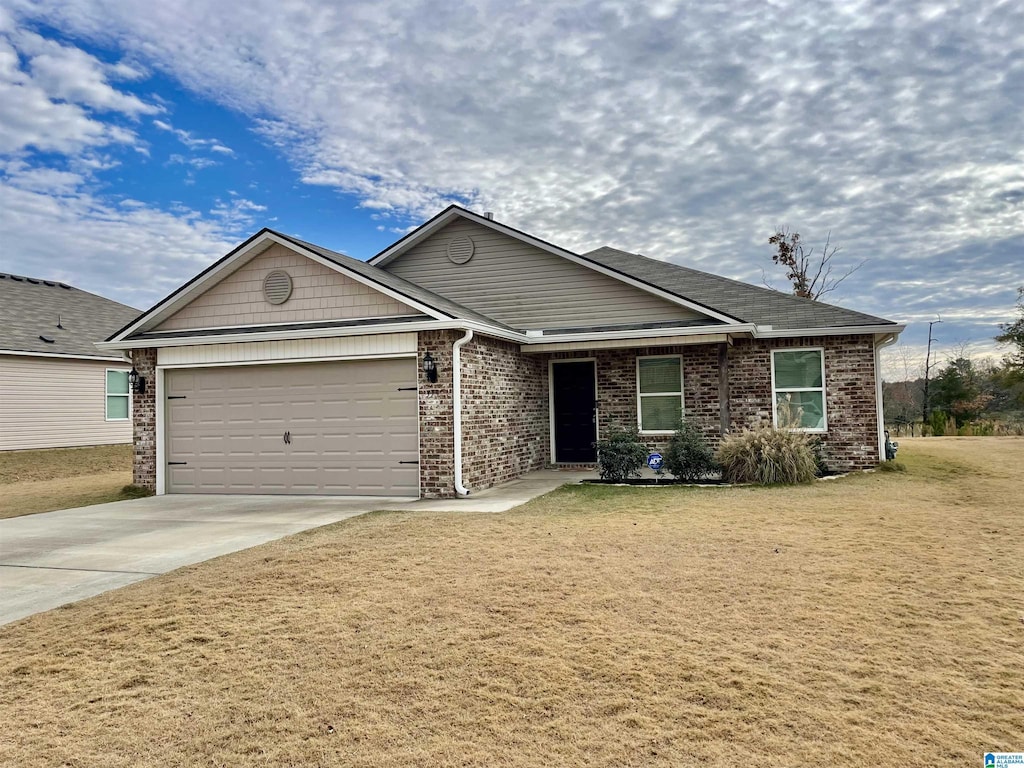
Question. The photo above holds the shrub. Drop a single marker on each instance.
(688, 456)
(620, 455)
(135, 492)
(766, 456)
(892, 466)
(820, 461)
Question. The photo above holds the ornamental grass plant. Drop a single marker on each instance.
(767, 456)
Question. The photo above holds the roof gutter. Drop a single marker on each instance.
(460, 489)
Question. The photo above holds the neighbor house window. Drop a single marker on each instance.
(659, 393)
(798, 389)
(117, 395)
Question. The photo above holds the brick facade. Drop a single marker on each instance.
(506, 421)
(144, 421)
(851, 441)
(505, 428)
(437, 430)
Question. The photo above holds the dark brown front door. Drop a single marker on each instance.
(575, 412)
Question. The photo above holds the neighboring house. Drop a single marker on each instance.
(56, 388)
(289, 368)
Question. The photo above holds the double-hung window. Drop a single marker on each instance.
(117, 395)
(798, 389)
(659, 393)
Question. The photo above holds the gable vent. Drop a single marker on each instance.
(460, 249)
(277, 287)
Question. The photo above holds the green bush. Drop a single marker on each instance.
(135, 492)
(620, 455)
(766, 456)
(820, 461)
(892, 466)
(688, 456)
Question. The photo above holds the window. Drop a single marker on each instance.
(659, 393)
(117, 395)
(798, 389)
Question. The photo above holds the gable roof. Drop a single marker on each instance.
(416, 296)
(31, 307)
(453, 212)
(750, 303)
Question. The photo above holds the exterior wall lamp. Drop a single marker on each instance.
(138, 383)
(430, 367)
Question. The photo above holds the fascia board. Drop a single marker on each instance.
(446, 216)
(59, 356)
(845, 330)
(313, 333)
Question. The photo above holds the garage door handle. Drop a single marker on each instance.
(177, 397)
(408, 462)
(407, 389)
(288, 438)
(176, 463)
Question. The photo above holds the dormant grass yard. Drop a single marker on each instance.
(872, 620)
(62, 478)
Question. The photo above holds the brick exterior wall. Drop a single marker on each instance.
(505, 428)
(144, 421)
(617, 388)
(851, 441)
(437, 435)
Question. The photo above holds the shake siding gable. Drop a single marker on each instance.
(525, 287)
(318, 293)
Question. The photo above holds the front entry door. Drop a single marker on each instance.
(575, 415)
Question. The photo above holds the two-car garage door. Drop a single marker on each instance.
(309, 428)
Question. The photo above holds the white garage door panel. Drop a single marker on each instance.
(349, 426)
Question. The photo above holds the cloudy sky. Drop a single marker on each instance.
(141, 140)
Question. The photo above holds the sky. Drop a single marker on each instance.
(141, 141)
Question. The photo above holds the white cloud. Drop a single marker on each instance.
(687, 132)
(191, 141)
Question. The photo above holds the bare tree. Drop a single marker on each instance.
(813, 274)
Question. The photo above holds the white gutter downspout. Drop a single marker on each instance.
(879, 405)
(460, 489)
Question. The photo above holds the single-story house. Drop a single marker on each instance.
(469, 353)
(56, 388)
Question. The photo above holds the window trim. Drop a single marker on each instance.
(776, 390)
(107, 395)
(640, 395)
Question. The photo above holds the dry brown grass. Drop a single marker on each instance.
(873, 620)
(62, 478)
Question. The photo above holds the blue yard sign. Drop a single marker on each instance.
(655, 462)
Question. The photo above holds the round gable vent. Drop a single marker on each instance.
(277, 287)
(460, 249)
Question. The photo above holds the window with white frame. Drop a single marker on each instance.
(117, 395)
(798, 389)
(659, 384)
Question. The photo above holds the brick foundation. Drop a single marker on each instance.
(144, 421)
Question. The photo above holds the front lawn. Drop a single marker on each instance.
(872, 620)
(62, 478)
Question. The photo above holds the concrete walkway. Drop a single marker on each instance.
(54, 558)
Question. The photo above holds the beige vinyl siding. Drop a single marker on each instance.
(294, 350)
(526, 287)
(56, 403)
(318, 293)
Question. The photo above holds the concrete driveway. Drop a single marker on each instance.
(53, 558)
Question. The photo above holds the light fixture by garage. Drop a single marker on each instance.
(430, 367)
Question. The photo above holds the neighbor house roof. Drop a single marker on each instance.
(31, 308)
(749, 303)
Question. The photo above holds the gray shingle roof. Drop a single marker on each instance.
(30, 308)
(745, 302)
